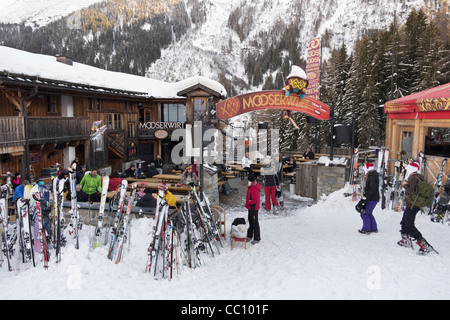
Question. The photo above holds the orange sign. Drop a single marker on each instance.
(271, 100)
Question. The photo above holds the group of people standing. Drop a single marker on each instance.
(272, 179)
(408, 229)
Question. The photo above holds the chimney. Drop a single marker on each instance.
(65, 59)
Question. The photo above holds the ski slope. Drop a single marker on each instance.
(306, 253)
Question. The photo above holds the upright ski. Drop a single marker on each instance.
(117, 219)
(75, 215)
(42, 237)
(384, 178)
(60, 221)
(98, 229)
(4, 218)
(437, 186)
(355, 173)
(25, 234)
(122, 233)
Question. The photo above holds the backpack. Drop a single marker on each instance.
(238, 228)
(422, 196)
(227, 189)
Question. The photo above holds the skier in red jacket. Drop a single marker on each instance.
(252, 204)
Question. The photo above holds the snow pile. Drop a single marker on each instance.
(310, 252)
(337, 161)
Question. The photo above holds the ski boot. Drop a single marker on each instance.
(406, 241)
(425, 247)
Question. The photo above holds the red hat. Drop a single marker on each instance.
(163, 187)
(368, 167)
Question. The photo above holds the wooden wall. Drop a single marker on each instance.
(420, 128)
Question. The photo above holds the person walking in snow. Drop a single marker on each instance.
(408, 229)
(270, 180)
(252, 204)
(372, 195)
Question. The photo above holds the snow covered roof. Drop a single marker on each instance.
(18, 62)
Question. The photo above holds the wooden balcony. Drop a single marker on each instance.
(12, 134)
(57, 130)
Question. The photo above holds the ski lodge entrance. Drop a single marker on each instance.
(418, 123)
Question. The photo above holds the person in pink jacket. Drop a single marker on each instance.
(252, 204)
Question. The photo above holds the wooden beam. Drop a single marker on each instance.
(15, 100)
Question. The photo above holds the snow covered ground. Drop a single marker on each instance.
(308, 252)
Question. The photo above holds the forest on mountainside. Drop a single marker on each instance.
(358, 82)
(112, 35)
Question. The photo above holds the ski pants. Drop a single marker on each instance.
(253, 231)
(407, 223)
(270, 197)
(369, 222)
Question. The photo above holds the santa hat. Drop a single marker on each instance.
(368, 167)
(412, 167)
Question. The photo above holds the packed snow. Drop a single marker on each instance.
(306, 252)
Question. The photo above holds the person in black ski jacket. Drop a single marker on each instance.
(372, 195)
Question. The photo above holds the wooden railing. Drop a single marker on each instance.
(12, 133)
(61, 129)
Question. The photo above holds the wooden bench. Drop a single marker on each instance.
(221, 183)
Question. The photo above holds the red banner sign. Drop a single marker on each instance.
(271, 100)
(313, 69)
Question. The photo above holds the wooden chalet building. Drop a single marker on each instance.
(48, 105)
(420, 122)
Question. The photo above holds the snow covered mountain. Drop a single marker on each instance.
(38, 13)
(215, 46)
(221, 38)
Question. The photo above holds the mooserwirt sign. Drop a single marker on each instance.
(161, 125)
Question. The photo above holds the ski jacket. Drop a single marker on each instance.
(253, 196)
(270, 176)
(371, 189)
(114, 183)
(90, 184)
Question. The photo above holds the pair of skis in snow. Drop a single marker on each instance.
(119, 231)
(165, 251)
(21, 239)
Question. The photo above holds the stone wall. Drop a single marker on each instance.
(330, 179)
(313, 180)
(211, 188)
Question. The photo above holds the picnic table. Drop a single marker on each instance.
(173, 187)
(168, 177)
(178, 197)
